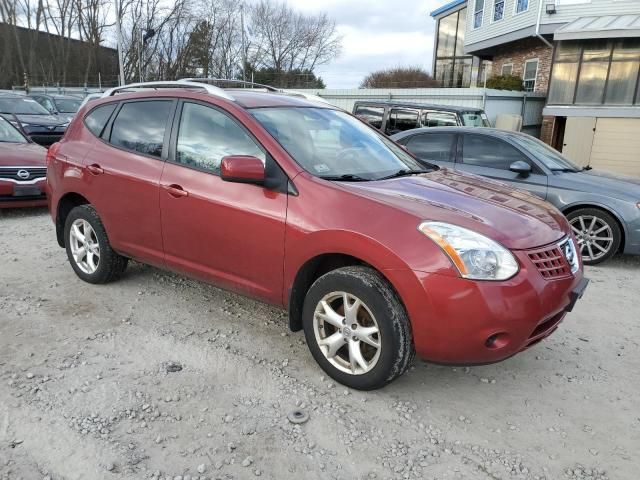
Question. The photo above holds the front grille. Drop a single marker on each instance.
(19, 174)
(550, 262)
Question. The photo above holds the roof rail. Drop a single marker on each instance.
(218, 92)
(232, 81)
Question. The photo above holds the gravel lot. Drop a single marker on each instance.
(87, 391)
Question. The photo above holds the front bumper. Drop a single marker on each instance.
(29, 194)
(460, 321)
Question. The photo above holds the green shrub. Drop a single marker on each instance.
(505, 82)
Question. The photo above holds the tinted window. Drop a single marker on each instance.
(439, 119)
(372, 115)
(489, 152)
(98, 118)
(22, 106)
(207, 135)
(140, 126)
(432, 146)
(401, 120)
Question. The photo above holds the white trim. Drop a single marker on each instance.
(524, 71)
(515, 7)
(493, 10)
(475, 11)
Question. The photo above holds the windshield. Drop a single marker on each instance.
(332, 144)
(475, 119)
(22, 106)
(67, 105)
(551, 158)
(8, 133)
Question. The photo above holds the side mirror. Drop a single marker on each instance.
(242, 169)
(520, 167)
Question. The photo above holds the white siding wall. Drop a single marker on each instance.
(509, 23)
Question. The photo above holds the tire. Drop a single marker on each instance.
(379, 307)
(584, 223)
(108, 264)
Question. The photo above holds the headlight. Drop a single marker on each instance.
(474, 255)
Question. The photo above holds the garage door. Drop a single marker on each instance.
(616, 145)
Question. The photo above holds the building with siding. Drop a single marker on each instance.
(583, 54)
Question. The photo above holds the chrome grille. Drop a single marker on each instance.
(22, 174)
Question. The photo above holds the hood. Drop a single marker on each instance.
(22, 155)
(511, 217)
(622, 187)
(45, 120)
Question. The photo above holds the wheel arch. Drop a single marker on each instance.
(67, 202)
(596, 206)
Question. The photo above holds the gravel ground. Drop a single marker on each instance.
(158, 376)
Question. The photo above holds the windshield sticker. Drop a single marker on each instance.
(321, 168)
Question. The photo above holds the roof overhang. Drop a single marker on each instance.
(449, 6)
(606, 26)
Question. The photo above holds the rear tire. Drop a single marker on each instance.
(357, 328)
(598, 234)
(88, 248)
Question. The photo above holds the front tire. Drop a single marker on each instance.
(598, 234)
(88, 248)
(357, 328)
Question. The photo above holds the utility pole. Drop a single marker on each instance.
(119, 31)
(244, 48)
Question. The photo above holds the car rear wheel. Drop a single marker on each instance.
(88, 248)
(597, 232)
(357, 329)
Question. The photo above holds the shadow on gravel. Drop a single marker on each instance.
(23, 212)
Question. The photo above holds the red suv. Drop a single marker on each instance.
(299, 204)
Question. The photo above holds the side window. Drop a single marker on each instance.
(97, 118)
(401, 119)
(140, 126)
(45, 102)
(429, 146)
(439, 119)
(372, 115)
(206, 136)
(485, 151)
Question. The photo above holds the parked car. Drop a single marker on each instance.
(603, 209)
(392, 117)
(22, 169)
(90, 98)
(301, 205)
(32, 118)
(63, 106)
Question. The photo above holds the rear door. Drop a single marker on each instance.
(491, 157)
(437, 148)
(439, 119)
(228, 233)
(401, 119)
(123, 174)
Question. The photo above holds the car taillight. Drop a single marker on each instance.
(51, 153)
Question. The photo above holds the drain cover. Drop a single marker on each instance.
(298, 416)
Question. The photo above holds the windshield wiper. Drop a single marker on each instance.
(345, 178)
(587, 168)
(572, 170)
(403, 173)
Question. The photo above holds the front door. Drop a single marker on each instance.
(231, 234)
(491, 157)
(124, 176)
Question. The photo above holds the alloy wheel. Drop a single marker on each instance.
(595, 236)
(347, 333)
(84, 246)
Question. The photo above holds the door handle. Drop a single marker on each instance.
(95, 169)
(176, 191)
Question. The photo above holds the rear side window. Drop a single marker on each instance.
(401, 119)
(97, 118)
(485, 151)
(140, 126)
(372, 115)
(439, 119)
(436, 146)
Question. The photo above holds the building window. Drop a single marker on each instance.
(477, 13)
(596, 72)
(530, 75)
(507, 69)
(452, 67)
(522, 6)
(498, 10)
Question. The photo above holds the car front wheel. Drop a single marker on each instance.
(598, 234)
(357, 328)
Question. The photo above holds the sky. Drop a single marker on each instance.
(376, 34)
